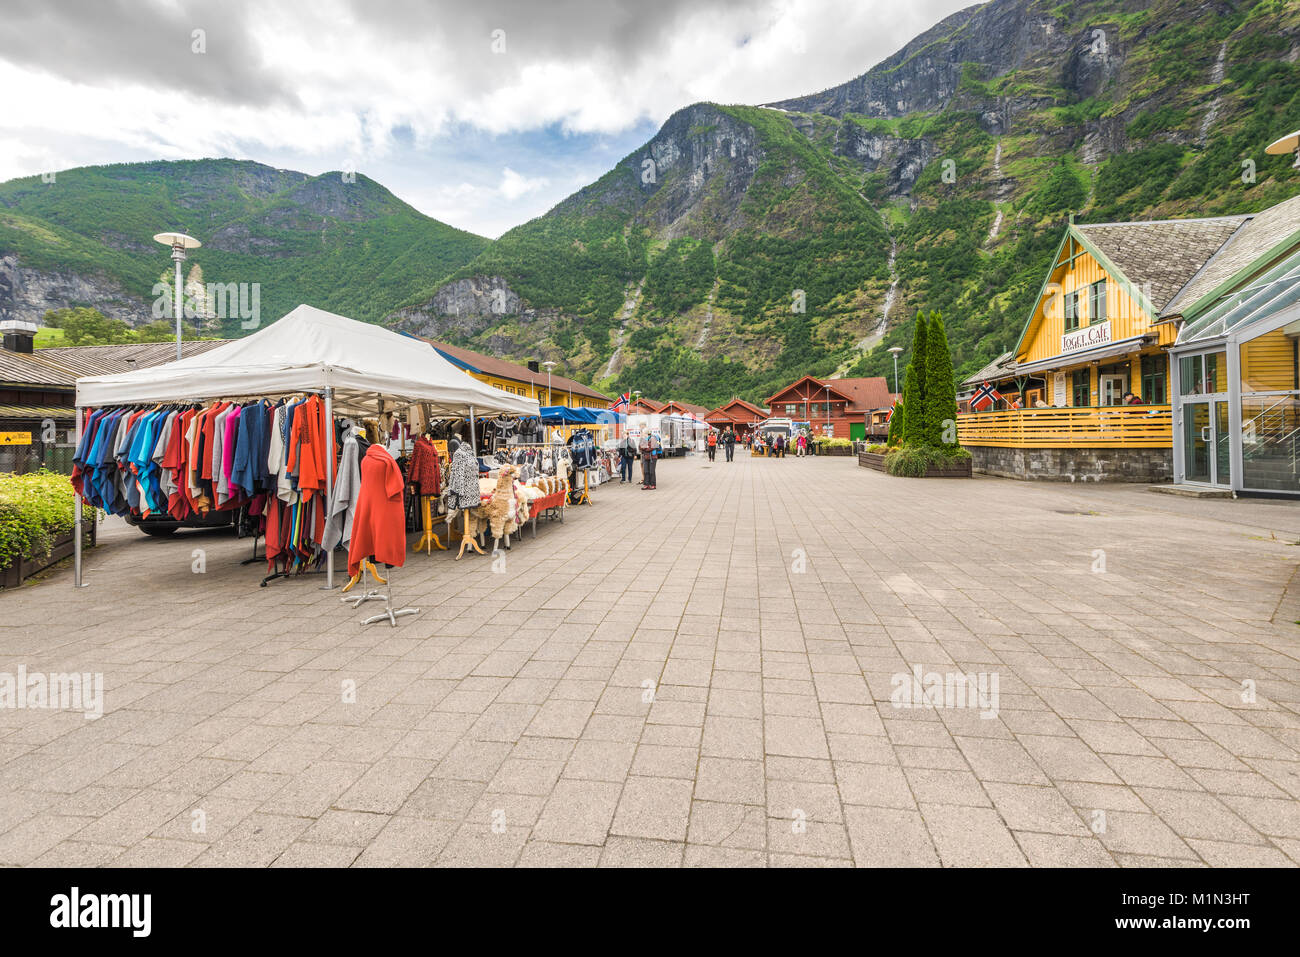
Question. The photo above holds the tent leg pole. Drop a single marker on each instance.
(76, 518)
(473, 442)
(329, 482)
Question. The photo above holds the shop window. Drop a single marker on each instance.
(1080, 388)
(1071, 305)
(791, 410)
(1097, 301)
(1155, 380)
(1199, 375)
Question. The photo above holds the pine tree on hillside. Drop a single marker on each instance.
(914, 383)
(940, 388)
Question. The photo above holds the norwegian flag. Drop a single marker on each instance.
(985, 398)
(621, 402)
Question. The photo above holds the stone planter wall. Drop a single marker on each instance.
(1151, 466)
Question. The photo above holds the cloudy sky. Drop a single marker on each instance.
(482, 114)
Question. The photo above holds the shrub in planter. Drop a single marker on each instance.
(877, 449)
(913, 461)
(35, 510)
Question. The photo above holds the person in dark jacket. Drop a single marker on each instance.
(650, 446)
(729, 443)
(626, 453)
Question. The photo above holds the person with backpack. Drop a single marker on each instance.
(626, 454)
(729, 442)
(650, 446)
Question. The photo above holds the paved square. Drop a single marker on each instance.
(704, 675)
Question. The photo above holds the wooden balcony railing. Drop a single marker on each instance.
(1126, 426)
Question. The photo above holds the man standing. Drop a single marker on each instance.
(729, 438)
(626, 453)
(649, 446)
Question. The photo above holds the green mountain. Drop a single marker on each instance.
(940, 179)
(342, 243)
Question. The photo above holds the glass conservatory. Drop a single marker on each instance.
(1235, 372)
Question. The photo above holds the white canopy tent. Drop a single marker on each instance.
(370, 369)
(359, 368)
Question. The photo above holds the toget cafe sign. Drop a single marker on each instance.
(1097, 334)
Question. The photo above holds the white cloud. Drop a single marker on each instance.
(334, 84)
(513, 185)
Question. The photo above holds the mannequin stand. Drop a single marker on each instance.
(366, 566)
(389, 614)
(467, 539)
(428, 539)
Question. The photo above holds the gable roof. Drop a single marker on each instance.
(699, 410)
(1001, 367)
(650, 405)
(1257, 239)
(771, 399)
(724, 411)
(1159, 256)
(505, 369)
(60, 366)
(871, 392)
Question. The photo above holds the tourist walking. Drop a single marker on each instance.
(802, 445)
(729, 442)
(626, 453)
(649, 447)
(713, 444)
(780, 446)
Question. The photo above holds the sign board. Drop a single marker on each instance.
(1058, 390)
(1097, 334)
(15, 438)
(441, 446)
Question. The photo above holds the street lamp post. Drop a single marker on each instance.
(550, 364)
(179, 242)
(895, 350)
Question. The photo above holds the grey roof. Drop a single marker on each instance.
(1003, 365)
(1260, 233)
(1161, 256)
(61, 366)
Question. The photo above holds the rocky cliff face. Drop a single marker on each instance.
(993, 38)
(26, 294)
(462, 308)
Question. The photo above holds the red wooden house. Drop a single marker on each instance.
(843, 404)
(738, 414)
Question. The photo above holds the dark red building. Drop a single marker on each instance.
(841, 403)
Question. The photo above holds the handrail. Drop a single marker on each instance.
(1121, 426)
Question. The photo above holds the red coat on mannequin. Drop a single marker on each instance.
(379, 526)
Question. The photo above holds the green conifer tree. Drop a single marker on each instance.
(941, 387)
(914, 383)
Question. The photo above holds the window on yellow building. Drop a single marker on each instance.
(1080, 381)
(1071, 307)
(1097, 301)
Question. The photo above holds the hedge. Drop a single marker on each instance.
(35, 510)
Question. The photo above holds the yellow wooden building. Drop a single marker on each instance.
(1090, 374)
(533, 383)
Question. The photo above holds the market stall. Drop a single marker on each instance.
(349, 368)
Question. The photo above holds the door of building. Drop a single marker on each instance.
(1206, 449)
(1112, 388)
